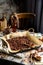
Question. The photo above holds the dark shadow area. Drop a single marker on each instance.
(6, 62)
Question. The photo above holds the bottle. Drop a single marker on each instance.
(3, 23)
(13, 23)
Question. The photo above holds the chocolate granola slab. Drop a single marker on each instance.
(19, 41)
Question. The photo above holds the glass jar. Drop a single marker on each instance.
(13, 23)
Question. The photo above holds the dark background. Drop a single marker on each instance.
(34, 6)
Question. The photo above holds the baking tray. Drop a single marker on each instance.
(20, 34)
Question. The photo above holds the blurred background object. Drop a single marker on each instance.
(21, 6)
(3, 23)
(26, 20)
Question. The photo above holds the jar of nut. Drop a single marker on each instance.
(3, 23)
(13, 23)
